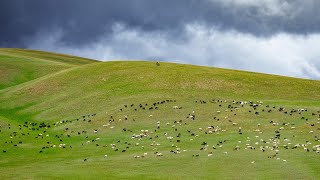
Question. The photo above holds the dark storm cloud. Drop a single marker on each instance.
(85, 21)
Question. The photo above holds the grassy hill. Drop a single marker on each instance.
(18, 65)
(77, 96)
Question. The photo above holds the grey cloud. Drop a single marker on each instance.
(85, 22)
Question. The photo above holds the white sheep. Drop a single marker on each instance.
(62, 145)
(175, 107)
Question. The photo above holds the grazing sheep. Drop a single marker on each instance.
(169, 137)
(62, 145)
(237, 148)
(175, 107)
(317, 147)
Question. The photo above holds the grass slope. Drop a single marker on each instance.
(92, 86)
(18, 65)
(77, 100)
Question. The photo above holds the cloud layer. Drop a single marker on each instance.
(271, 36)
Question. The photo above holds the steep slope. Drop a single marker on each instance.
(18, 65)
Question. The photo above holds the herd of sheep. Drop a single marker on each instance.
(255, 126)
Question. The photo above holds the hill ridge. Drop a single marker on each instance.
(20, 65)
(31, 54)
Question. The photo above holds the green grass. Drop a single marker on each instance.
(46, 87)
(18, 66)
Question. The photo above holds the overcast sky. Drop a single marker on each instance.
(270, 36)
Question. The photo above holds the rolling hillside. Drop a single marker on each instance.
(93, 85)
(97, 109)
(18, 66)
